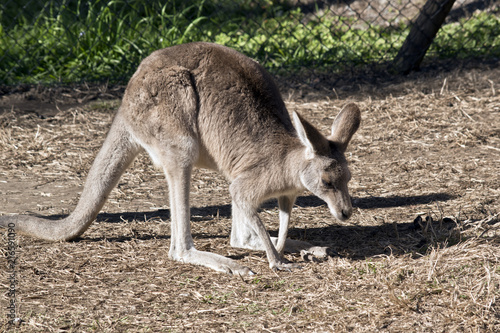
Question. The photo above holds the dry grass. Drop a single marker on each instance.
(421, 254)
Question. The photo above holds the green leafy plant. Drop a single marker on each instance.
(75, 40)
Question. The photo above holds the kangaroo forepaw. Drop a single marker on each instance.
(285, 266)
(238, 270)
(318, 253)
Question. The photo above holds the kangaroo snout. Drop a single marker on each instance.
(339, 203)
(346, 213)
(342, 213)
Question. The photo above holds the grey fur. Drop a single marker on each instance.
(205, 105)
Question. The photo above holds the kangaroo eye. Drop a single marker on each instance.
(328, 184)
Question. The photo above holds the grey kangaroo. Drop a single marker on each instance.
(204, 105)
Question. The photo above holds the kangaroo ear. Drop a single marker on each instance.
(345, 125)
(309, 136)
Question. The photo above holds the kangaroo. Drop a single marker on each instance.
(208, 106)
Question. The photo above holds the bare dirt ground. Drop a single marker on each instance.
(420, 254)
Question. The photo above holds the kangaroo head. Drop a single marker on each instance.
(325, 172)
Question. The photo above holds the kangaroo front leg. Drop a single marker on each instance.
(247, 216)
(285, 204)
(273, 257)
(243, 236)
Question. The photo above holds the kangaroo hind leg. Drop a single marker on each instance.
(164, 108)
(178, 174)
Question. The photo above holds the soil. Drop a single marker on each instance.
(421, 252)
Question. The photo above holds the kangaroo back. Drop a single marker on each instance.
(223, 99)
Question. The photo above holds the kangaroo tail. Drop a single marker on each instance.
(118, 151)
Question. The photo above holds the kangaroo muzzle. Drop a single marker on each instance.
(341, 208)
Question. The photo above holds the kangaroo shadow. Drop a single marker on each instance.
(354, 241)
(209, 212)
(360, 242)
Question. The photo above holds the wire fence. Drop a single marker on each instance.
(104, 40)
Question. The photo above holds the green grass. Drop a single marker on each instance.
(106, 39)
(474, 37)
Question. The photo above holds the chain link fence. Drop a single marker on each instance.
(62, 41)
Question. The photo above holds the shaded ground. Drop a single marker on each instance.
(46, 101)
(388, 12)
(420, 254)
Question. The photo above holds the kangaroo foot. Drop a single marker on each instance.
(317, 253)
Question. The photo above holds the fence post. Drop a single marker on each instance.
(421, 35)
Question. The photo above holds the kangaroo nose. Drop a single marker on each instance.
(346, 213)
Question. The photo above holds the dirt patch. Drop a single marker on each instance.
(45, 101)
(420, 254)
